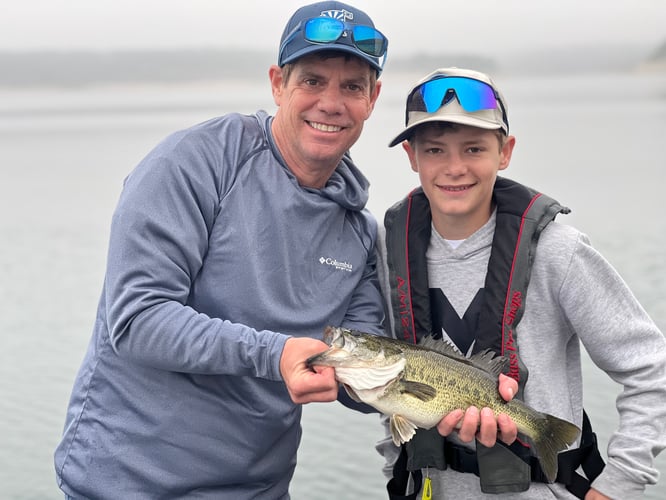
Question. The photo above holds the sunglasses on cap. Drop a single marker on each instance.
(473, 95)
(327, 30)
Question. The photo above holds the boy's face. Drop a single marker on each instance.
(457, 167)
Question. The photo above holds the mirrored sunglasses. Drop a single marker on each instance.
(473, 95)
(327, 30)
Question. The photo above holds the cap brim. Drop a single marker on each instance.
(463, 119)
(311, 49)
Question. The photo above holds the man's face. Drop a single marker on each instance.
(457, 168)
(322, 108)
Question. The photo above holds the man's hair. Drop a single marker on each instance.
(323, 55)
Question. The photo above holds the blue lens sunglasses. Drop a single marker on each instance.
(473, 95)
(327, 29)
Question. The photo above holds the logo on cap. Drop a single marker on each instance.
(342, 15)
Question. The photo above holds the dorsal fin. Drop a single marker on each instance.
(484, 360)
(488, 361)
(441, 346)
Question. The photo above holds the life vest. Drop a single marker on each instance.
(521, 216)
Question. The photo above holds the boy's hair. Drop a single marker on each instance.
(444, 126)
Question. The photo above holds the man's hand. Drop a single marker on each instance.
(482, 425)
(303, 384)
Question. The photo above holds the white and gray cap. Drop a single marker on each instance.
(450, 109)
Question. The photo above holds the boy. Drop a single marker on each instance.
(460, 253)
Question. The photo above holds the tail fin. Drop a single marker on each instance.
(553, 436)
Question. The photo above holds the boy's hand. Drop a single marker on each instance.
(483, 425)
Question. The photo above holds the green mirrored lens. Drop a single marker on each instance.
(369, 40)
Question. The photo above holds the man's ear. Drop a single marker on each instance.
(276, 77)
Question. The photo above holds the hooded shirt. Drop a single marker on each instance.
(216, 256)
(574, 297)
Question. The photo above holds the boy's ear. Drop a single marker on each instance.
(411, 155)
(506, 152)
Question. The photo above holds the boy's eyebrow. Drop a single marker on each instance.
(440, 141)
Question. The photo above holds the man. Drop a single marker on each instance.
(233, 245)
(489, 269)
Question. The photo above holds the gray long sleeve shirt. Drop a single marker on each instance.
(216, 256)
(574, 297)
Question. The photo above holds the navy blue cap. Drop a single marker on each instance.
(293, 45)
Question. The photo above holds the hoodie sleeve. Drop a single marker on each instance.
(158, 241)
(624, 342)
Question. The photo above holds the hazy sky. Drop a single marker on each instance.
(475, 26)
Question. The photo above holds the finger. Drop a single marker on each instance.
(450, 422)
(470, 424)
(487, 434)
(508, 431)
(314, 395)
(309, 387)
(326, 371)
(508, 387)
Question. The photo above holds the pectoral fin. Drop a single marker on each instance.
(351, 393)
(402, 430)
(421, 391)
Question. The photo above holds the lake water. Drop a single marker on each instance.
(595, 142)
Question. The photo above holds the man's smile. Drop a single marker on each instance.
(324, 127)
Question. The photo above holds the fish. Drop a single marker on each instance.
(416, 385)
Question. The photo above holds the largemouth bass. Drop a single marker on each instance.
(417, 385)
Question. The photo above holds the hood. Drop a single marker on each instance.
(347, 187)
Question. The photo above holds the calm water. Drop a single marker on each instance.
(594, 142)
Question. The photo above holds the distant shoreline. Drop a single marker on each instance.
(37, 69)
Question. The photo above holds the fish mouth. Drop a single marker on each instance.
(330, 357)
(317, 359)
(342, 358)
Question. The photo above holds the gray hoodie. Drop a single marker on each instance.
(574, 297)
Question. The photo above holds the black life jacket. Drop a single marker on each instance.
(522, 214)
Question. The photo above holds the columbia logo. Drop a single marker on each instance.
(340, 266)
